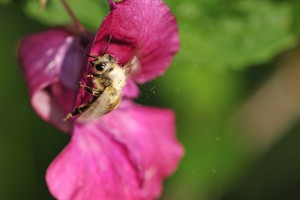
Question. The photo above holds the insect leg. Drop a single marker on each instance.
(94, 76)
(90, 90)
(77, 111)
(80, 109)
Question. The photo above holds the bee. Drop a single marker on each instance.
(108, 79)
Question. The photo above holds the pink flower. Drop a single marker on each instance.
(126, 153)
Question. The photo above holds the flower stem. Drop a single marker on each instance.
(75, 21)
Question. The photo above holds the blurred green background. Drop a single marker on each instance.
(235, 88)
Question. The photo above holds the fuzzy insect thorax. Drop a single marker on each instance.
(108, 79)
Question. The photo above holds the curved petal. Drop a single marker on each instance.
(51, 63)
(149, 135)
(145, 28)
(124, 155)
(92, 166)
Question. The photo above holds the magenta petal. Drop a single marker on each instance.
(131, 90)
(92, 166)
(124, 155)
(149, 135)
(51, 63)
(145, 28)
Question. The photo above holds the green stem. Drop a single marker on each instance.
(75, 21)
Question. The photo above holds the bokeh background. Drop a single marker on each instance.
(234, 86)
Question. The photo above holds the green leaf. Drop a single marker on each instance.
(225, 35)
(89, 12)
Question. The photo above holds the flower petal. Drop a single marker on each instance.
(149, 135)
(51, 63)
(124, 155)
(130, 90)
(145, 28)
(92, 166)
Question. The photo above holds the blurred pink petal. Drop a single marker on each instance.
(51, 63)
(124, 155)
(131, 90)
(143, 28)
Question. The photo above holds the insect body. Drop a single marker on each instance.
(108, 80)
